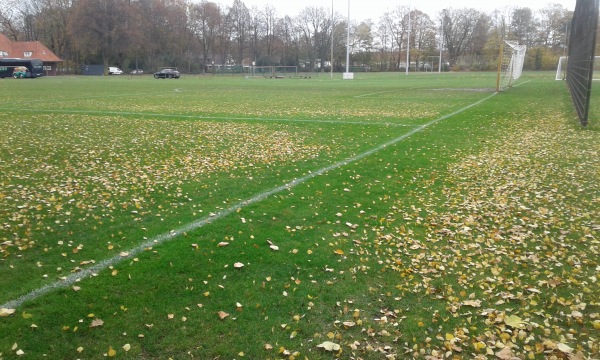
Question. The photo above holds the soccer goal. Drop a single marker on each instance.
(273, 72)
(510, 64)
(563, 61)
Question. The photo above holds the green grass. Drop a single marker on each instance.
(475, 235)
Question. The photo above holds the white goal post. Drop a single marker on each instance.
(510, 64)
(561, 68)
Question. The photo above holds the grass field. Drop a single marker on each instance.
(387, 217)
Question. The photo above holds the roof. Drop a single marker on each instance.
(26, 49)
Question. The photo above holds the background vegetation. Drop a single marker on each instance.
(198, 35)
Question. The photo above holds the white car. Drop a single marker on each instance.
(114, 71)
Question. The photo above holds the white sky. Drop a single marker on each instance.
(373, 9)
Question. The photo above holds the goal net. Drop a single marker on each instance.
(511, 64)
(272, 71)
(563, 61)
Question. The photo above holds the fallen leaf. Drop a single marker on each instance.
(126, 347)
(97, 322)
(111, 352)
(6, 312)
(222, 315)
(238, 265)
(473, 303)
(514, 321)
(564, 348)
(329, 346)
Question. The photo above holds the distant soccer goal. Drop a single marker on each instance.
(563, 61)
(510, 64)
(273, 72)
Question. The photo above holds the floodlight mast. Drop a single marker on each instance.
(331, 57)
(441, 45)
(408, 42)
(348, 75)
(348, 41)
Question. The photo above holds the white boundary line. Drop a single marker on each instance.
(199, 117)
(73, 278)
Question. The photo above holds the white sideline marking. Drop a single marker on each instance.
(73, 278)
(179, 116)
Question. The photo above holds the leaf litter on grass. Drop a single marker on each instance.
(507, 254)
(83, 169)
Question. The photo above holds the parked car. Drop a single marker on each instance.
(167, 74)
(114, 71)
(137, 72)
(21, 72)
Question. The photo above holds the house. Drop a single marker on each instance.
(29, 49)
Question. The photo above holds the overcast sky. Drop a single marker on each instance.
(373, 9)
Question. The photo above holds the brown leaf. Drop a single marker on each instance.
(97, 322)
(222, 315)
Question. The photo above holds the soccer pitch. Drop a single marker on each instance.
(223, 217)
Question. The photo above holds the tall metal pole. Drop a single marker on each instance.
(441, 44)
(348, 42)
(331, 57)
(408, 43)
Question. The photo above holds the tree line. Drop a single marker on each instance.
(199, 36)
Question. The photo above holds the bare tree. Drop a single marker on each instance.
(51, 24)
(269, 21)
(11, 19)
(314, 25)
(239, 21)
(553, 25)
(99, 27)
(396, 23)
(165, 35)
(363, 43)
(422, 35)
(522, 26)
(465, 31)
(289, 41)
(206, 20)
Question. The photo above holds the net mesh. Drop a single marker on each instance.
(582, 47)
(513, 58)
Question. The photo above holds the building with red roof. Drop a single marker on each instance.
(29, 50)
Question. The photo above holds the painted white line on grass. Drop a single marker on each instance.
(91, 271)
(388, 91)
(522, 83)
(198, 117)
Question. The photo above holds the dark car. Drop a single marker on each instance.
(167, 74)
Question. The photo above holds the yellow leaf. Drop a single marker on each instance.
(329, 346)
(339, 252)
(126, 347)
(6, 312)
(111, 352)
(513, 321)
(26, 315)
